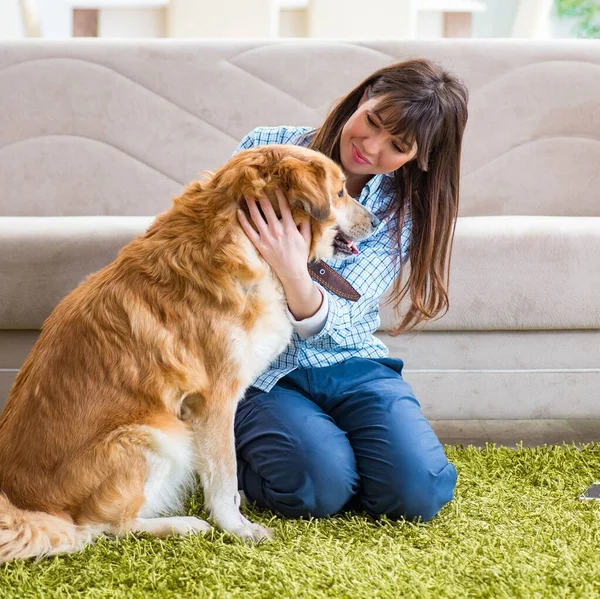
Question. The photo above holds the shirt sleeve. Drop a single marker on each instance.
(312, 325)
(247, 142)
(262, 136)
(350, 324)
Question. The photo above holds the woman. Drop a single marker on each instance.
(332, 424)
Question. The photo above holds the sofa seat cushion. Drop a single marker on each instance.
(522, 272)
(508, 272)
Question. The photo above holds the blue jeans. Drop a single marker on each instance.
(346, 436)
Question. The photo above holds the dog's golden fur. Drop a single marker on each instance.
(134, 381)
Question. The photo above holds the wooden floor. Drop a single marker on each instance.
(511, 432)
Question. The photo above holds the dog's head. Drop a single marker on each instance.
(314, 187)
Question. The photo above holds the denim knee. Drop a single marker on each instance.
(321, 485)
(420, 495)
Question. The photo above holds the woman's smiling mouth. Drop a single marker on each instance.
(358, 157)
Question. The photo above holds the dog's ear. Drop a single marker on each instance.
(305, 184)
(247, 173)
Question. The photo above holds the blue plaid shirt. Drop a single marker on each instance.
(349, 327)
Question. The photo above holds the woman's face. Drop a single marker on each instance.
(366, 148)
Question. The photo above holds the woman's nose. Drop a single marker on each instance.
(372, 145)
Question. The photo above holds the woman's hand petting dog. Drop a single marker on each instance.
(284, 245)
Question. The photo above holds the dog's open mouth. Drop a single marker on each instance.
(344, 245)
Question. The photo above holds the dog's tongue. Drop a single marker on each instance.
(350, 244)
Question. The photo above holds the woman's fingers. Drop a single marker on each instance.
(257, 217)
(252, 234)
(270, 222)
(269, 213)
(286, 210)
(284, 205)
(305, 231)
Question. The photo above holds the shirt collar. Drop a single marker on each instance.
(382, 183)
(379, 191)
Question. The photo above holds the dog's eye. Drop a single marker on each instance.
(341, 194)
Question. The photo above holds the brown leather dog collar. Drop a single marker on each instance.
(326, 276)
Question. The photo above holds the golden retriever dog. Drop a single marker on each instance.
(133, 383)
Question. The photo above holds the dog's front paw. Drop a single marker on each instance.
(244, 529)
(250, 531)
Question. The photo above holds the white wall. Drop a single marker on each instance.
(357, 19)
(222, 18)
(293, 23)
(497, 20)
(137, 23)
(10, 20)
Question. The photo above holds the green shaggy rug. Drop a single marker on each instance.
(515, 529)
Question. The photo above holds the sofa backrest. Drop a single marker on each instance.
(117, 128)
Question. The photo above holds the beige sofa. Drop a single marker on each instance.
(96, 137)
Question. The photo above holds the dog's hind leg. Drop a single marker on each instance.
(213, 430)
(148, 471)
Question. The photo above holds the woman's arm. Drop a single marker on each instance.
(285, 248)
(303, 297)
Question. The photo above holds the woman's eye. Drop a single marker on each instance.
(371, 122)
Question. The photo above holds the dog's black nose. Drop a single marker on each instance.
(374, 221)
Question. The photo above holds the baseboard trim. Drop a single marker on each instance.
(507, 394)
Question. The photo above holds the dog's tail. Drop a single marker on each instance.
(26, 534)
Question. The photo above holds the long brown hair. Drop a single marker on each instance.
(422, 103)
